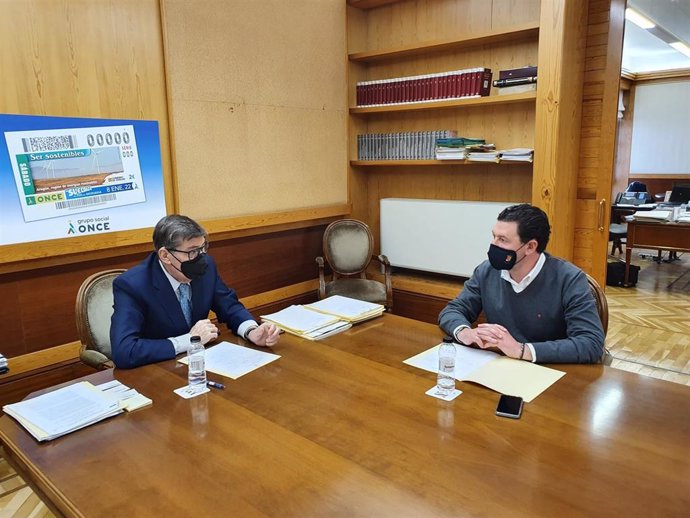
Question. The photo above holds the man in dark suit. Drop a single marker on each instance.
(164, 300)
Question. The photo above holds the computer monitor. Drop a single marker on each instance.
(680, 195)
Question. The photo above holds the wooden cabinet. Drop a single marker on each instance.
(412, 37)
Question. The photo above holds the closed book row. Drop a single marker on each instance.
(457, 84)
(415, 145)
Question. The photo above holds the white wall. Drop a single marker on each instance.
(661, 129)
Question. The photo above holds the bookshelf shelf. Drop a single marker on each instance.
(526, 31)
(401, 163)
(370, 4)
(455, 103)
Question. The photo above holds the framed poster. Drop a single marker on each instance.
(64, 177)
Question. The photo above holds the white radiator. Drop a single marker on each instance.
(450, 237)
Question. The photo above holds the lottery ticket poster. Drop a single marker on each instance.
(65, 177)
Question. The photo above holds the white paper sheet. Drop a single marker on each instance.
(232, 360)
(300, 319)
(499, 373)
(467, 360)
(345, 307)
(63, 410)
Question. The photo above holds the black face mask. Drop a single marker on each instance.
(195, 268)
(502, 258)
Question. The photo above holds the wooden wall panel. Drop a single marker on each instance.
(84, 59)
(598, 135)
(562, 31)
(259, 104)
(37, 308)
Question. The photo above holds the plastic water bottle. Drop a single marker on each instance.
(196, 375)
(445, 383)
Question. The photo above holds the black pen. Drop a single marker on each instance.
(215, 384)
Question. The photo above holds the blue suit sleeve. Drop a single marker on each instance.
(129, 349)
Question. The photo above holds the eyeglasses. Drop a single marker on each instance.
(194, 253)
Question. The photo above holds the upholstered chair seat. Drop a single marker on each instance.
(94, 309)
(348, 246)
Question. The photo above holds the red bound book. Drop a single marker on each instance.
(397, 95)
(427, 88)
(445, 85)
(455, 79)
(417, 90)
(435, 90)
(388, 92)
(464, 86)
(358, 97)
(474, 88)
(485, 82)
(379, 92)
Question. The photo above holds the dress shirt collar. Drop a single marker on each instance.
(173, 281)
(519, 287)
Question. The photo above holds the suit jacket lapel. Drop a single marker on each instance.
(167, 296)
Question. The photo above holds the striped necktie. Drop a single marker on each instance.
(185, 295)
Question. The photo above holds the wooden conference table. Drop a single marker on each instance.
(343, 428)
(657, 235)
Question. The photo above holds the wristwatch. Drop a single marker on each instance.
(246, 333)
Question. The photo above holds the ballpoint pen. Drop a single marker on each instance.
(215, 384)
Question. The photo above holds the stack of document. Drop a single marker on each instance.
(345, 308)
(64, 410)
(128, 398)
(652, 215)
(306, 323)
(482, 156)
(519, 154)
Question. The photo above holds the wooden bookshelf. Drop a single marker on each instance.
(403, 163)
(454, 103)
(370, 4)
(525, 31)
(408, 38)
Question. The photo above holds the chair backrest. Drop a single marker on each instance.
(93, 310)
(602, 304)
(348, 245)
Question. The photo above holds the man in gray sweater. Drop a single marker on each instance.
(538, 308)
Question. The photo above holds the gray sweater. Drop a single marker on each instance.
(556, 313)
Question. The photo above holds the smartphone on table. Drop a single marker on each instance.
(509, 406)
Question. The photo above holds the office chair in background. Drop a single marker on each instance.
(93, 309)
(348, 246)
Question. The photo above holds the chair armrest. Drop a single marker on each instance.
(322, 279)
(387, 280)
(95, 359)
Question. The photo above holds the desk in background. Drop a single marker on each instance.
(343, 428)
(674, 237)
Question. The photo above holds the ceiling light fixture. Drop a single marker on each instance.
(681, 47)
(639, 20)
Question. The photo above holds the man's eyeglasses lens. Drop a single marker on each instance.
(193, 254)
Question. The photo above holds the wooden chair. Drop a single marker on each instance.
(348, 246)
(603, 310)
(93, 309)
